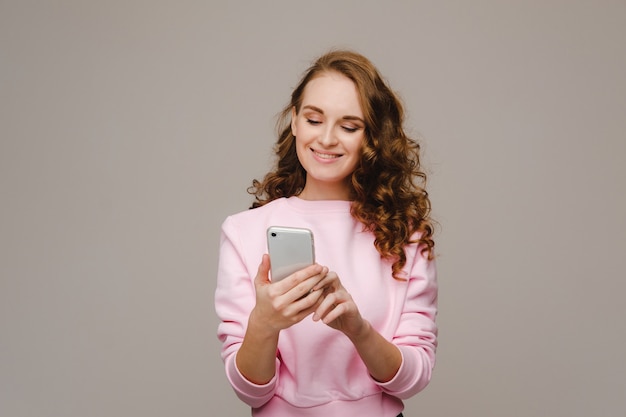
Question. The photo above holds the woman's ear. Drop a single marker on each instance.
(293, 120)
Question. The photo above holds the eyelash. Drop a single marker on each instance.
(347, 129)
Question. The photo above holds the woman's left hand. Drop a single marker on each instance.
(338, 309)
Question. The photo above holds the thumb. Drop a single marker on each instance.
(262, 275)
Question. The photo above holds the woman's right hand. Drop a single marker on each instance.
(282, 304)
(279, 305)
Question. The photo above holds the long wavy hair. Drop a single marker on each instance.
(388, 185)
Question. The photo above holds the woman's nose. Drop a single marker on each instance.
(327, 137)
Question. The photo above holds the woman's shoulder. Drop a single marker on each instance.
(255, 214)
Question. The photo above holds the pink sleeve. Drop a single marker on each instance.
(416, 335)
(234, 299)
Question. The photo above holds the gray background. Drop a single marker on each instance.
(130, 129)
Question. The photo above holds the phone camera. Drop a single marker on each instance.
(273, 234)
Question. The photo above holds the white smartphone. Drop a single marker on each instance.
(290, 249)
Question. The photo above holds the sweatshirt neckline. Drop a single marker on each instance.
(319, 205)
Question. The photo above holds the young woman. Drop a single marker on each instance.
(353, 334)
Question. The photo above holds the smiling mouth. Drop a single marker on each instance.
(326, 155)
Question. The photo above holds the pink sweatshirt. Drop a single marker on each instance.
(318, 371)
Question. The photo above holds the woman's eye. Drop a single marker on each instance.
(350, 129)
(313, 122)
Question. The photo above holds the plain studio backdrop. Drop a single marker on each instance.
(130, 129)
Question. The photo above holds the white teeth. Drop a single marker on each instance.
(325, 155)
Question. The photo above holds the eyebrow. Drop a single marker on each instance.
(317, 109)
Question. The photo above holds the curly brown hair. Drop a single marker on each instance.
(388, 185)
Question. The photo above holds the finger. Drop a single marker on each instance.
(329, 280)
(262, 276)
(335, 312)
(300, 276)
(326, 307)
(306, 287)
(305, 305)
(309, 301)
(286, 292)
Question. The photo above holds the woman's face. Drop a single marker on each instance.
(329, 131)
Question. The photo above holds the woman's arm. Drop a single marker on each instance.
(381, 357)
(404, 365)
(242, 305)
(339, 311)
(278, 306)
